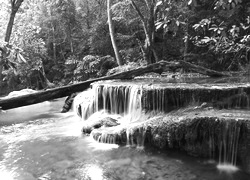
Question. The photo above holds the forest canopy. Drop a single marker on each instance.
(47, 43)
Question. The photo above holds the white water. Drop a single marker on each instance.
(106, 100)
(49, 145)
(121, 100)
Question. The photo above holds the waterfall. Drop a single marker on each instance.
(115, 99)
(228, 142)
(123, 100)
(131, 99)
(138, 104)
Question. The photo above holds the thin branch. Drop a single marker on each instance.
(142, 19)
(146, 1)
(18, 3)
(138, 11)
(12, 3)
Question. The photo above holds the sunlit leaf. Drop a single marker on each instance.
(158, 25)
(177, 23)
(21, 57)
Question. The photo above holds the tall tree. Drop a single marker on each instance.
(15, 5)
(148, 23)
(112, 34)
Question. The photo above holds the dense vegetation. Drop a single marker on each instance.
(56, 42)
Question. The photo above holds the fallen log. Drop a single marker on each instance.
(202, 70)
(64, 91)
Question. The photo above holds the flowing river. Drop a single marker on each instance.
(39, 143)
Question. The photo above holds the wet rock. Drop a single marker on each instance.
(68, 103)
(109, 122)
(191, 118)
(97, 123)
(110, 135)
(205, 135)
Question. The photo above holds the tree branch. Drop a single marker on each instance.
(142, 19)
(146, 1)
(12, 2)
(16, 5)
(138, 11)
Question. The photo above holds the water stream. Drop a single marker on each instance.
(39, 143)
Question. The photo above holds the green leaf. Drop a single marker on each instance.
(206, 39)
(22, 58)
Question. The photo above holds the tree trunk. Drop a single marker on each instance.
(186, 42)
(1, 75)
(54, 44)
(10, 26)
(7, 39)
(14, 8)
(149, 52)
(49, 94)
(112, 34)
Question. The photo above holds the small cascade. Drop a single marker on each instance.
(166, 99)
(228, 142)
(177, 116)
(136, 137)
(123, 100)
(83, 104)
(131, 100)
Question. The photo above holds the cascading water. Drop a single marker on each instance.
(137, 104)
(228, 145)
(49, 145)
(106, 100)
(115, 100)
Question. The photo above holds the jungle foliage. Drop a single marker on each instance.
(57, 42)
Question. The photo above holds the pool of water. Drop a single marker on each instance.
(38, 142)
